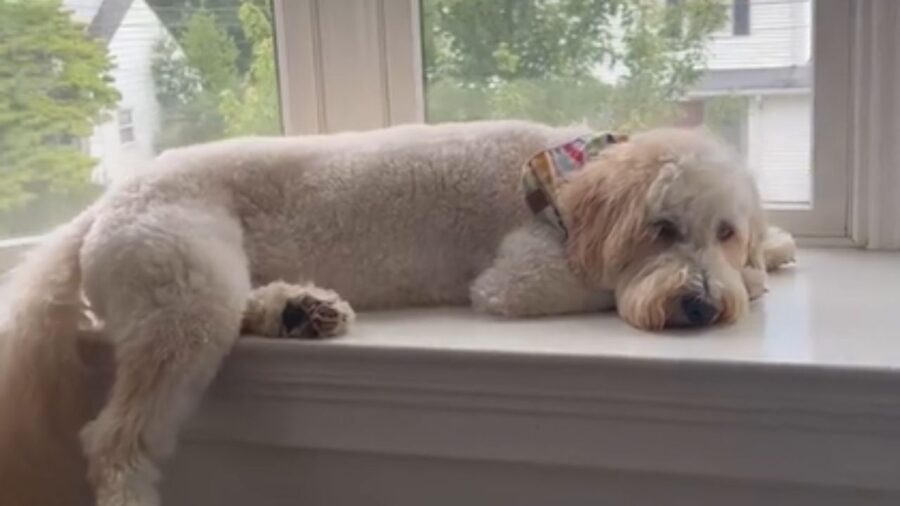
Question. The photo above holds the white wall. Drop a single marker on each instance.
(780, 146)
(779, 37)
(131, 50)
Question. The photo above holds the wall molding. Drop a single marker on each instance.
(348, 64)
(875, 208)
(787, 423)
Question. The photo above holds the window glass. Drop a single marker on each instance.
(90, 90)
(633, 65)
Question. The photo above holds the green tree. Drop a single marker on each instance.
(610, 63)
(174, 14)
(55, 84)
(254, 107)
(191, 76)
(204, 92)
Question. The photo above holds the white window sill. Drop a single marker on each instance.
(805, 391)
(836, 308)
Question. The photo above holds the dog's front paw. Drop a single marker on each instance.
(307, 312)
(754, 281)
(309, 317)
(779, 249)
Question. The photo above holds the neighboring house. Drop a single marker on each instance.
(131, 30)
(763, 60)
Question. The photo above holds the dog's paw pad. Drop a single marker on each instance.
(294, 320)
(308, 317)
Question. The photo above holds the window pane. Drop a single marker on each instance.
(90, 90)
(633, 65)
(740, 15)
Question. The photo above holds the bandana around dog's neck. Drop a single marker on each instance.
(544, 173)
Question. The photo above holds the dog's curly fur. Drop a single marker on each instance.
(169, 267)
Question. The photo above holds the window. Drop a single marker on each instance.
(197, 71)
(443, 60)
(755, 92)
(738, 22)
(126, 126)
(188, 72)
(740, 17)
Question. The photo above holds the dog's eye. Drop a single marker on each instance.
(666, 231)
(725, 231)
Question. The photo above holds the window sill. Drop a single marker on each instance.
(804, 391)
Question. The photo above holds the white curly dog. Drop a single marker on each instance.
(280, 236)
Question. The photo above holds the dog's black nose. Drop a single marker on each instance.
(698, 311)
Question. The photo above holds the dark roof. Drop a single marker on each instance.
(108, 18)
(714, 82)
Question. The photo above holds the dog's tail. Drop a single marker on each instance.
(43, 384)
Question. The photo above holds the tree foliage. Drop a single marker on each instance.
(253, 108)
(55, 84)
(204, 90)
(175, 15)
(610, 63)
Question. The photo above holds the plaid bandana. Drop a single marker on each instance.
(548, 170)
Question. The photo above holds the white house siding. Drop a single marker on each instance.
(778, 143)
(779, 37)
(131, 49)
(780, 132)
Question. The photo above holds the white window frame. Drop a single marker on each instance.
(828, 216)
(348, 64)
(367, 74)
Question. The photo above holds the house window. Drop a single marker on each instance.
(740, 17)
(126, 126)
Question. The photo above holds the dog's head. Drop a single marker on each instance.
(670, 221)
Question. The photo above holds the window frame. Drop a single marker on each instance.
(384, 56)
(384, 52)
(827, 217)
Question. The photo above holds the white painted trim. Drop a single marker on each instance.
(12, 250)
(832, 114)
(348, 64)
(299, 66)
(783, 423)
(381, 43)
(18, 242)
(824, 242)
(876, 151)
(403, 55)
(744, 92)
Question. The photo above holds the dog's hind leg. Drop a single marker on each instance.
(172, 297)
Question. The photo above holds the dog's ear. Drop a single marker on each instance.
(603, 208)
